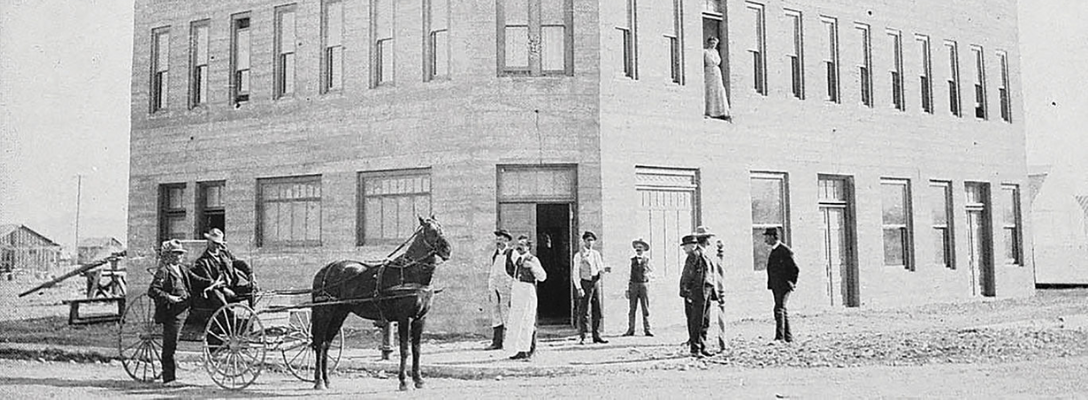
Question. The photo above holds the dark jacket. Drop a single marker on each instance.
(781, 269)
(701, 269)
(167, 282)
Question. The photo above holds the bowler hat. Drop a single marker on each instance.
(702, 231)
(172, 246)
(687, 239)
(215, 235)
(639, 241)
(504, 233)
(589, 235)
(770, 232)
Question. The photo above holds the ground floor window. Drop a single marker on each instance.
(172, 212)
(289, 211)
(769, 210)
(389, 204)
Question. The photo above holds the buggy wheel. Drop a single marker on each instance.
(234, 346)
(297, 350)
(139, 340)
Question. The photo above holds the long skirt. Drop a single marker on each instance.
(522, 322)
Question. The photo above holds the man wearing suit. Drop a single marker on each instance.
(170, 291)
(781, 280)
(701, 283)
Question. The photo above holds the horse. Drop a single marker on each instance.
(394, 290)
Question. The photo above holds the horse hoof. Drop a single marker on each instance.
(403, 387)
(419, 384)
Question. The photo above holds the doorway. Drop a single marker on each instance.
(838, 238)
(714, 25)
(553, 247)
(979, 242)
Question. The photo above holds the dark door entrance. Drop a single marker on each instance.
(553, 236)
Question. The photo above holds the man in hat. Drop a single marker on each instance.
(526, 271)
(637, 292)
(687, 243)
(701, 283)
(170, 291)
(782, 274)
(585, 274)
(216, 274)
(498, 287)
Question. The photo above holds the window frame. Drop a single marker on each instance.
(982, 109)
(378, 75)
(831, 64)
(199, 72)
(899, 101)
(280, 71)
(629, 34)
(906, 229)
(782, 178)
(168, 213)
(332, 69)
(362, 196)
(925, 76)
(1011, 202)
(238, 96)
(262, 183)
(534, 27)
(955, 100)
(676, 43)
(430, 43)
(1004, 92)
(203, 210)
(948, 229)
(865, 68)
(159, 85)
(797, 58)
(758, 50)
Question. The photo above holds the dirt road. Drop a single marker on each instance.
(1055, 378)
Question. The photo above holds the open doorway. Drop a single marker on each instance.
(553, 247)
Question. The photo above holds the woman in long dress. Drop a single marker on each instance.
(717, 106)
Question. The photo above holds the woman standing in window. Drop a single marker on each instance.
(717, 106)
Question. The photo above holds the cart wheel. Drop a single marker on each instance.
(139, 340)
(298, 354)
(234, 346)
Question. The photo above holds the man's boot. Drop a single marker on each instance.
(496, 340)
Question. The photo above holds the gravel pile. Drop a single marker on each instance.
(983, 345)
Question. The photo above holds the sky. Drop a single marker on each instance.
(64, 106)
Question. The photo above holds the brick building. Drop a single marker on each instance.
(885, 141)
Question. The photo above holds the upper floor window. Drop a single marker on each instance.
(239, 60)
(535, 37)
(758, 48)
(383, 50)
(676, 48)
(629, 39)
(925, 74)
(389, 204)
(437, 48)
(831, 59)
(160, 67)
(980, 82)
(796, 56)
(285, 42)
(865, 64)
(953, 78)
(897, 222)
(896, 38)
(332, 54)
(198, 68)
(289, 211)
(1003, 89)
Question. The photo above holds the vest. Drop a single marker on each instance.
(524, 274)
(638, 269)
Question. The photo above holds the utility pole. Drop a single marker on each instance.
(79, 196)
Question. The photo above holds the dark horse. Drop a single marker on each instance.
(396, 290)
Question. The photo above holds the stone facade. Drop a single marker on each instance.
(614, 131)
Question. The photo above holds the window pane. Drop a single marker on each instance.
(939, 204)
(517, 46)
(287, 32)
(440, 52)
(767, 207)
(387, 57)
(1009, 207)
(517, 12)
(174, 197)
(893, 246)
(242, 60)
(940, 247)
(335, 60)
(313, 221)
(389, 217)
(713, 6)
(1010, 245)
(162, 48)
(553, 48)
(373, 221)
(335, 24)
(176, 227)
(288, 66)
(551, 12)
(894, 198)
(201, 38)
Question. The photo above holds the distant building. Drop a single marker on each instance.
(884, 140)
(97, 248)
(1059, 210)
(23, 249)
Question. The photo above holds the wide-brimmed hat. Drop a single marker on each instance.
(770, 232)
(215, 235)
(687, 239)
(589, 235)
(172, 246)
(639, 241)
(702, 231)
(504, 233)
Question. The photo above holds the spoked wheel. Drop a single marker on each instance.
(234, 346)
(139, 340)
(298, 354)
